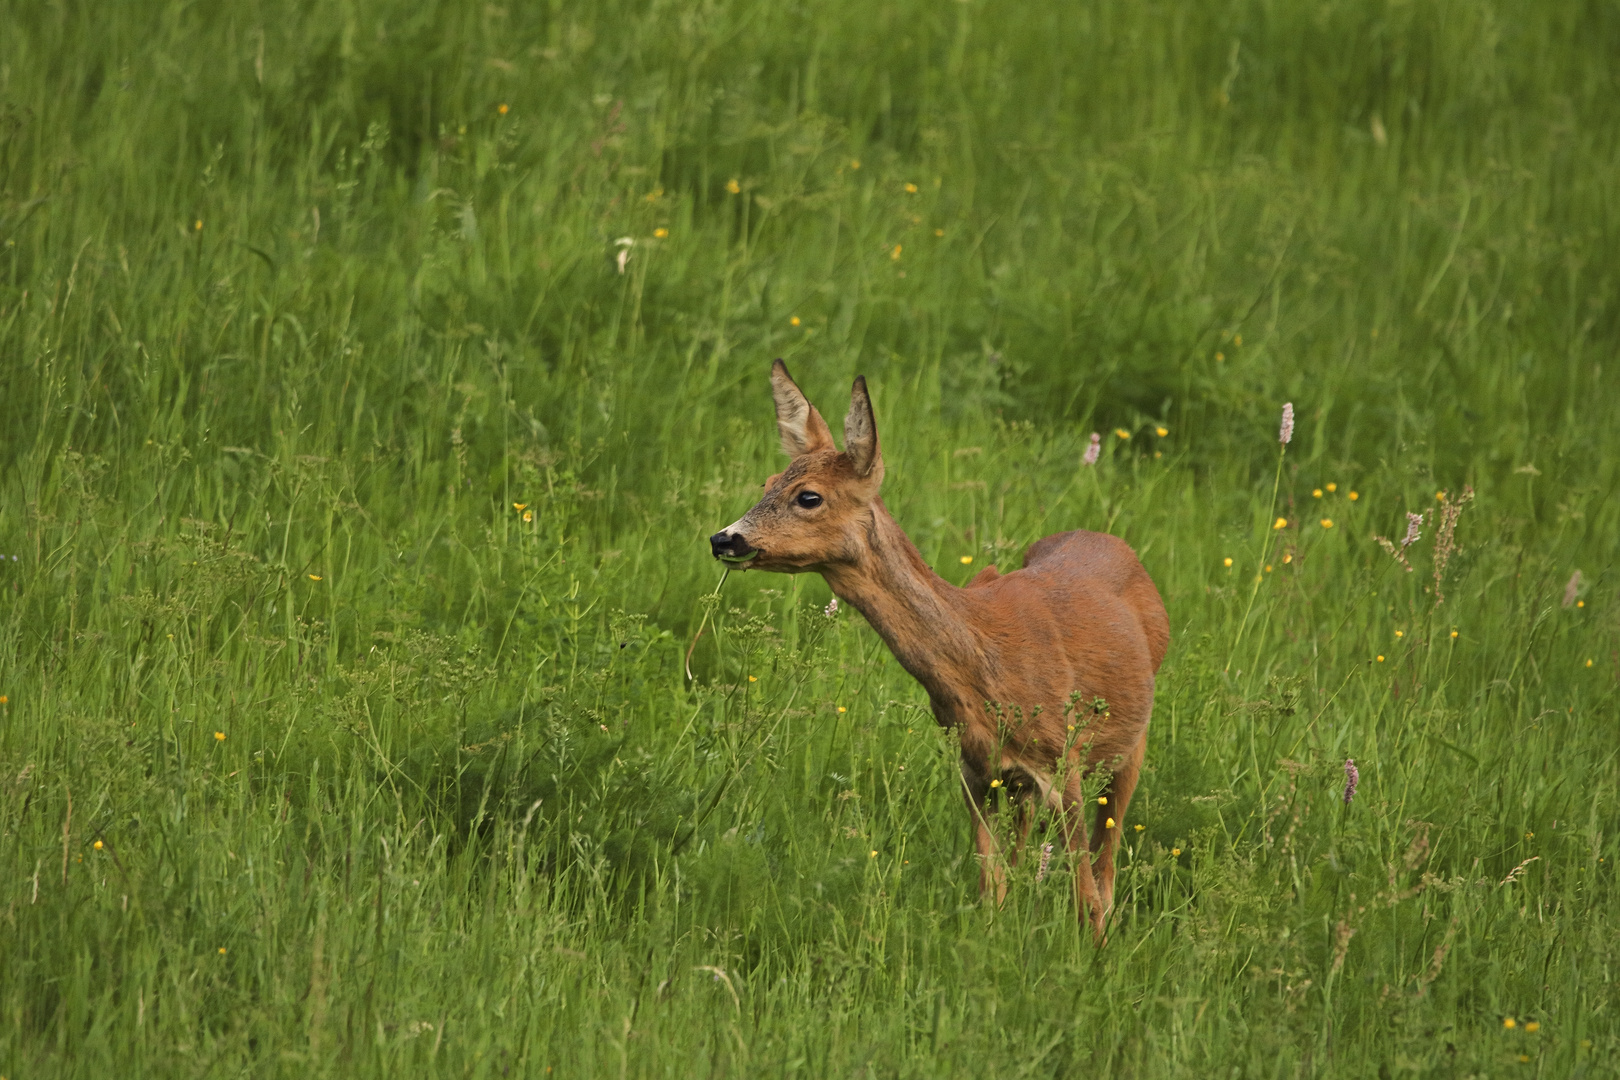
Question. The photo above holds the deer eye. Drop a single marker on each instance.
(808, 499)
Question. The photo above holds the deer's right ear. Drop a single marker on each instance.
(802, 428)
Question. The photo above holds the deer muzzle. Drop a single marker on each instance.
(731, 547)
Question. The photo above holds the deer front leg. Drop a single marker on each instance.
(1087, 902)
(992, 872)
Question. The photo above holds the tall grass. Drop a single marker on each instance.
(354, 497)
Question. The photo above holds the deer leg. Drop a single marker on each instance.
(992, 872)
(1105, 840)
(1088, 905)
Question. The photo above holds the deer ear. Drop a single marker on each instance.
(802, 428)
(860, 430)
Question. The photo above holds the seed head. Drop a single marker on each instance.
(1413, 523)
(1046, 861)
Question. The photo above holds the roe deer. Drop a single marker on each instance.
(1007, 661)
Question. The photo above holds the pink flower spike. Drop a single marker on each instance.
(1090, 456)
(1286, 434)
(1352, 777)
(1412, 523)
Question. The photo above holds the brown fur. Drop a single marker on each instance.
(1008, 662)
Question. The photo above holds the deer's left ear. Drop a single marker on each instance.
(860, 431)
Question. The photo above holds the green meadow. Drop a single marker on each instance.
(372, 374)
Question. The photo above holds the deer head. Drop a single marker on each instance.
(817, 511)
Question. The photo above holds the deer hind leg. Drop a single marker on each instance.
(1088, 904)
(1105, 841)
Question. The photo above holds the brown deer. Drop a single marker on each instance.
(1046, 673)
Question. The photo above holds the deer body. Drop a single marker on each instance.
(1005, 660)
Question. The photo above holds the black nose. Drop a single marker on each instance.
(732, 544)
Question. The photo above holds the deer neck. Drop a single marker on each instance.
(918, 614)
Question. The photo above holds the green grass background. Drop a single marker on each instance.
(293, 313)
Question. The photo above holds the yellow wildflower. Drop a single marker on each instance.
(1122, 433)
(966, 559)
(97, 845)
(1176, 852)
(753, 678)
(1227, 561)
(873, 854)
(661, 233)
(1102, 800)
(1532, 1027)
(1220, 356)
(1354, 496)
(1509, 1023)
(314, 577)
(1280, 523)
(911, 189)
(1380, 658)
(219, 736)
(1161, 431)
(222, 950)
(841, 708)
(520, 506)
(1454, 633)
(794, 321)
(855, 164)
(1327, 523)
(198, 225)
(1109, 824)
(995, 783)
(501, 108)
(1139, 828)
(1332, 488)
(1316, 493)
(894, 256)
(732, 186)
(1238, 340)
(1400, 633)
(939, 232)
(528, 515)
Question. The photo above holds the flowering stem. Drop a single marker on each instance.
(1265, 552)
(707, 610)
